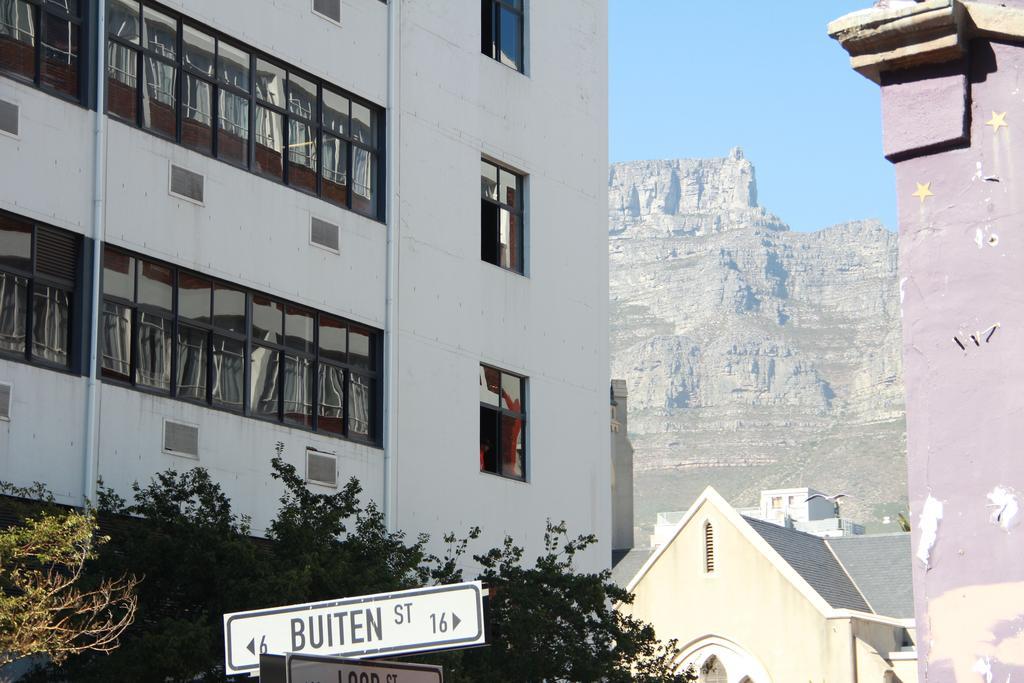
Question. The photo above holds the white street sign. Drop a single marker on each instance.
(435, 618)
(306, 669)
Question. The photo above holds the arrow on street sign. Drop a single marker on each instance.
(419, 620)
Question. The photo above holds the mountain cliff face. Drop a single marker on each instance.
(755, 357)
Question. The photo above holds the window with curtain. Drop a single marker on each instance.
(40, 42)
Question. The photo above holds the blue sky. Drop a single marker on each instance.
(693, 78)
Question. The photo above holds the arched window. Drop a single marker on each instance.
(713, 671)
(709, 548)
(746, 679)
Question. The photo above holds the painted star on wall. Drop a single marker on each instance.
(997, 121)
(923, 190)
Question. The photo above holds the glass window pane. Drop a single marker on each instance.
(488, 180)
(194, 297)
(360, 406)
(158, 97)
(197, 114)
(511, 393)
(200, 51)
(122, 81)
(364, 181)
(115, 340)
(361, 348)
(228, 372)
(156, 285)
(333, 343)
(233, 66)
(512, 446)
(51, 318)
(509, 240)
(263, 375)
(68, 6)
(488, 440)
(335, 112)
(269, 159)
(59, 62)
(267, 319)
(301, 97)
(192, 362)
(154, 352)
(17, 38)
(489, 231)
(332, 399)
(229, 309)
(298, 329)
(15, 244)
(233, 128)
(270, 83)
(490, 386)
(298, 390)
(508, 191)
(118, 274)
(13, 312)
(364, 125)
(335, 170)
(302, 155)
(487, 28)
(160, 33)
(123, 19)
(510, 38)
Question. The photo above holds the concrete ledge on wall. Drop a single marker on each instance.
(925, 110)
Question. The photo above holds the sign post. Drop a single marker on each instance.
(404, 622)
(309, 669)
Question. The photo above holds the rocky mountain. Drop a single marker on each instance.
(755, 357)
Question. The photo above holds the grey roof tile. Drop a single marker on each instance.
(811, 558)
(880, 566)
(626, 565)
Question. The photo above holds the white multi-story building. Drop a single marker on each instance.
(372, 231)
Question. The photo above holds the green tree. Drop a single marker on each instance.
(200, 561)
(46, 607)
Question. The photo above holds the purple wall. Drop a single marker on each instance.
(962, 274)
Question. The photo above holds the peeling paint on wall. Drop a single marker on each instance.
(928, 523)
(1005, 507)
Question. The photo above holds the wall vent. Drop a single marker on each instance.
(181, 439)
(324, 234)
(9, 117)
(56, 253)
(321, 468)
(187, 184)
(5, 401)
(329, 9)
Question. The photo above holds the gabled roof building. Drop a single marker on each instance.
(750, 601)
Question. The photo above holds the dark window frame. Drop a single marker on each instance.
(375, 147)
(280, 348)
(41, 8)
(34, 278)
(490, 26)
(500, 412)
(517, 209)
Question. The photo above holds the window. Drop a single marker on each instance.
(38, 271)
(713, 671)
(40, 41)
(501, 217)
(709, 548)
(501, 31)
(223, 99)
(183, 334)
(776, 502)
(502, 423)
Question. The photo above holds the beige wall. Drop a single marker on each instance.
(747, 601)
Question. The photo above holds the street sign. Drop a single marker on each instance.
(307, 669)
(419, 620)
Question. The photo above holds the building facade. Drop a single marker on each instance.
(950, 74)
(751, 601)
(360, 229)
